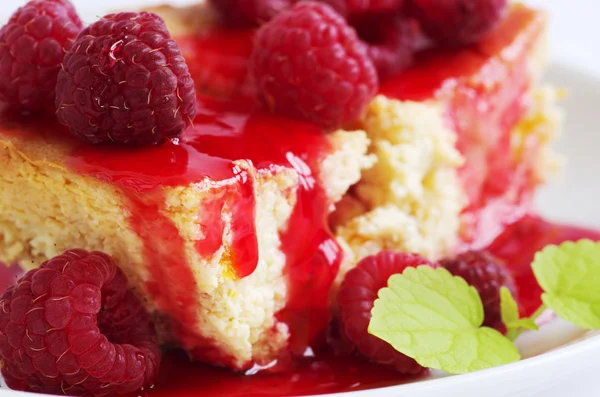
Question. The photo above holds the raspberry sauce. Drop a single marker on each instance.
(209, 155)
(330, 374)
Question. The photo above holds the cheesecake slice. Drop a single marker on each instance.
(235, 236)
(205, 229)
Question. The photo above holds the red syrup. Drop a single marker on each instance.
(327, 373)
(224, 133)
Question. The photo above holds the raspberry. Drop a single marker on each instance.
(72, 327)
(353, 7)
(391, 40)
(32, 46)
(356, 297)
(309, 64)
(250, 12)
(125, 81)
(487, 274)
(455, 22)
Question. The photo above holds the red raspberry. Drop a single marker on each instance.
(125, 81)
(354, 7)
(250, 12)
(356, 297)
(309, 64)
(32, 46)
(487, 274)
(455, 22)
(73, 327)
(391, 39)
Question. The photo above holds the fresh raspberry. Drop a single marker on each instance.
(356, 297)
(125, 81)
(391, 39)
(250, 12)
(32, 46)
(359, 7)
(456, 22)
(309, 64)
(487, 274)
(73, 327)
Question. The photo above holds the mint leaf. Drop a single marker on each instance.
(509, 311)
(570, 277)
(436, 318)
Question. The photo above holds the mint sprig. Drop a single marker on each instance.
(437, 318)
(441, 318)
(569, 274)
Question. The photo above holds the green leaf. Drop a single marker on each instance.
(508, 307)
(509, 311)
(570, 277)
(436, 318)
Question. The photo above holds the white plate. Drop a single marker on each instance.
(562, 360)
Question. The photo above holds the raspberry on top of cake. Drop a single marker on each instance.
(235, 212)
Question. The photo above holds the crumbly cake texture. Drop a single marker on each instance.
(411, 199)
(236, 315)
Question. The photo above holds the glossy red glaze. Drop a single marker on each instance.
(328, 373)
(209, 154)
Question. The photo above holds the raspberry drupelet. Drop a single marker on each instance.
(487, 274)
(125, 81)
(32, 46)
(356, 297)
(309, 64)
(73, 327)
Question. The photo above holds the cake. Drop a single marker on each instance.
(235, 236)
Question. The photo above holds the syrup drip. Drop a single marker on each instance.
(238, 196)
(209, 153)
(171, 281)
